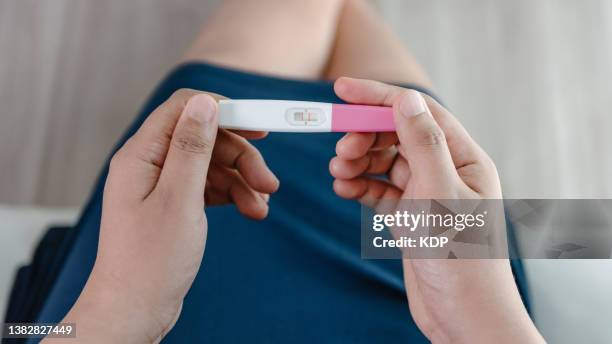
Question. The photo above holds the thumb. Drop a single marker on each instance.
(422, 142)
(185, 169)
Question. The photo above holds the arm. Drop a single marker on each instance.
(153, 229)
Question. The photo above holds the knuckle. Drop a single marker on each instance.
(192, 142)
(117, 161)
(182, 96)
(431, 136)
(182, 93)
(489, 163)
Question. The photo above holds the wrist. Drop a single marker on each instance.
(498, 329)
(106, 312)
(492, 318)
(479, 303)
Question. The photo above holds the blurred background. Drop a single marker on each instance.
(531, 81)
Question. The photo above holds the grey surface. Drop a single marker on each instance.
(529, 79)
(73, 73)
(572, 300)
(20, 227)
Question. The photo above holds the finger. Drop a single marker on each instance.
(422, 142)
(227, 186)
(153, 136)
(399, 175)
(384, 140)
(368, 191)
(135, 168)
(250, 135)
(367, 92)
(265, 197)
(473, 164)
(375, 162)
(235, 152)
(215, 196)
(355, 145)
(248, 202)
(221, 178)
(185, 169)
(464, 150)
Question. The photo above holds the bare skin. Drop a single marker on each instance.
(276, 37)
(342, 38)
(147, 192)
(153, 230)
(431, 156)
(366, 47)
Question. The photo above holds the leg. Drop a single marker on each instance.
(291, 38)
(365, 47)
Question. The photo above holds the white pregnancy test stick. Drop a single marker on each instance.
(301, 116)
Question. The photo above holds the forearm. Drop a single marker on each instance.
(105, 314)
(467, 301)
(499, 325)
(491, 314)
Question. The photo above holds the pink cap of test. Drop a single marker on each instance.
(362, 118)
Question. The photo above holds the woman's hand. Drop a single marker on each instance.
(153, 229)
(431, 156)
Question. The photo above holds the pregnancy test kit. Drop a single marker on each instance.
(302, 116)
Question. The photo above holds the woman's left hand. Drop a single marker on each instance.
(432, 157)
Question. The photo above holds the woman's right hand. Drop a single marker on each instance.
(153, 229)
(237, 173)
(431, 156)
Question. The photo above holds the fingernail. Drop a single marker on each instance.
(275, 180)
(412, 104)
(201, 107)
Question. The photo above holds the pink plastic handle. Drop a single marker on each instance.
(362, 118)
